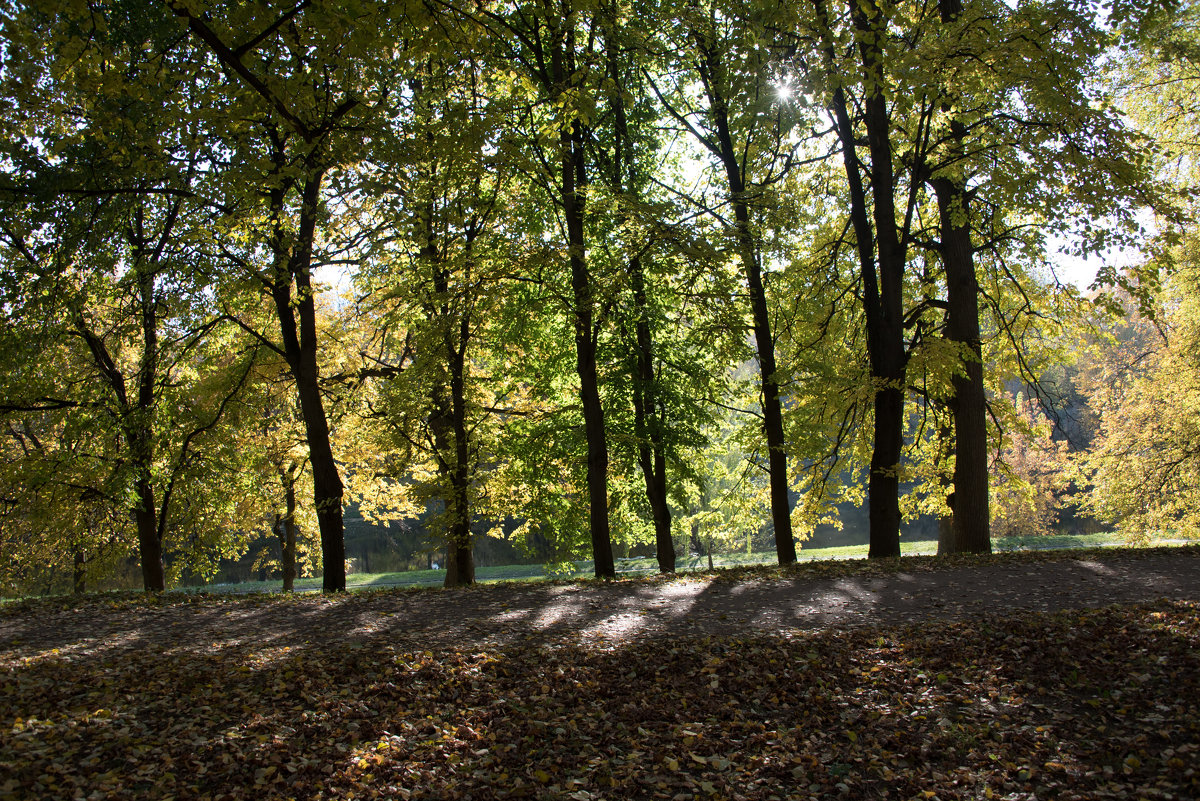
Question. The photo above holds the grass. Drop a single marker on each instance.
(691, 563)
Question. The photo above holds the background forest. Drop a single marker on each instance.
(308, 287)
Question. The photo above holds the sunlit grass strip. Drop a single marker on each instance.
(691, 563)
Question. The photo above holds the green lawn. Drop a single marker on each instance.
(584, 569)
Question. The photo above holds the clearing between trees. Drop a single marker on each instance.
(1065, 674)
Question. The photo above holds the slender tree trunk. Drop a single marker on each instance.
(327, 483)
(287, 536)
(972, 516)
(141, 441)
(137, 428)
(652, 457)
(648, 419)
(945, 451)
(298, 328)
(573, 181)
(772, 408)
(883, 483)
(460, 559)
(649, 429)
(79, 575)
(883, 291)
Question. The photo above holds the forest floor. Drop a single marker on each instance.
(1072, 675)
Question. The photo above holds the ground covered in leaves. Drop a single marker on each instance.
(1007, 702)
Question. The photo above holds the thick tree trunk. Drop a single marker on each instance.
(781, 518)
(149, 545)
(460, 564)
(884, 486)
(972, 516)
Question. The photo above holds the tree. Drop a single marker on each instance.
(881, 237)
(1141, 381)
(556, 47)
(751, 144)
(102, 236)
(306, 123)
(436, 286)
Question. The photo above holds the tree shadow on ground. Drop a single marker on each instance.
(1070, 705)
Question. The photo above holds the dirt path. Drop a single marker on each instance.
(609, 612)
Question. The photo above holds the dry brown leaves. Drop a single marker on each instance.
(1082, 705)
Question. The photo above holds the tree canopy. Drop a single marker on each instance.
(582, 276)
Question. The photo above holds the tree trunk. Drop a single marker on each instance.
(883, 291)
(292, 266)
(648, 419)
(972, 516)
(648, 425)
(289, 542)
(460, 559)
(151, 522)
(694, 539)
(945, 450)
(781, 518)
(149, 545)
(285, 528)
(573, 180)
(327, 483)
(451, 429)
(883, 484)
(884, 487)
(79, 575)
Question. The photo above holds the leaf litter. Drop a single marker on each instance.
(1084, 704)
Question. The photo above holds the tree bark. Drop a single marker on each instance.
(772, 408)
(879, 248)
(137, 423)
(298, 328)
(149, 545)
(648, 427)
(79, 574)
(460, 559)
(888, 356)
(972, 515)
(945, 450)
(573, 181)
(648, 419)
(287, 536)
